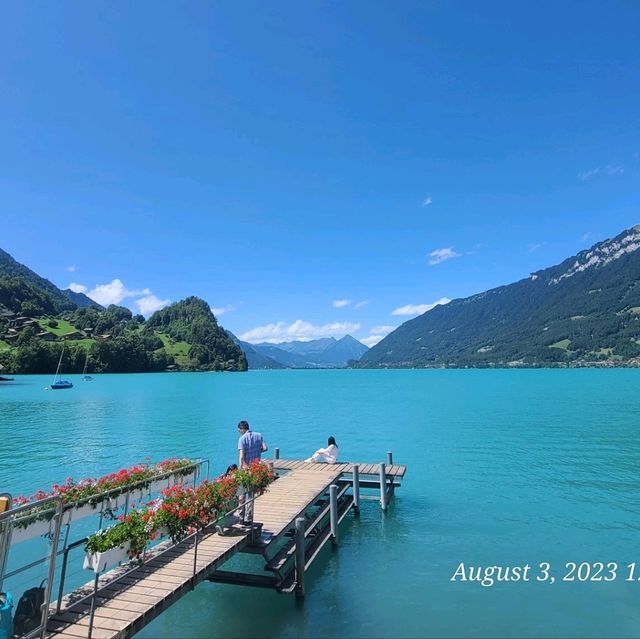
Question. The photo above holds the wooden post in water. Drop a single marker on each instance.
(300, 561)
(356, 489)
(389, 458)
(383, 487)
(276, 453)
(333, 506)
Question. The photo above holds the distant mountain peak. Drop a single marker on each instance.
(82, 300)
(326, 352)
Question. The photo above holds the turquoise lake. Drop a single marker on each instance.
(505, 467)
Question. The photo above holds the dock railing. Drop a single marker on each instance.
(6, 528)
(58, 521)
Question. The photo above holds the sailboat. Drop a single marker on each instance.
(58, 382)
(85, 377)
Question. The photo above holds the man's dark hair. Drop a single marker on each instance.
(243, 425)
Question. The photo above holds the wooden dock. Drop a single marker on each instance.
(294, 519)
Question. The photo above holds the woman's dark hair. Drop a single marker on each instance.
(332, 440)
(231, 468)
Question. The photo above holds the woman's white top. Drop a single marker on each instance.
(330, 453)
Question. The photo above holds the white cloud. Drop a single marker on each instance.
(385, 330)
(418, 309)
(77, 288)
(534, 247)
(585, 175)
(428, 201)
(378, 333)
(299, 330)
(72, 269)
(609, 169)
(440, 255)
(114, 292)
(223, 309)
(361, 304)
(586, 236)
(341, 303)
(150, 304)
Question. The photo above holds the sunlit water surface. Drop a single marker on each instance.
(504, 468)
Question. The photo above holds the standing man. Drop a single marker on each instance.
(251, 445)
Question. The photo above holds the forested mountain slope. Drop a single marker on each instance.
(586, 309)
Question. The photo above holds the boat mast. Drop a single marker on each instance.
(59, 363)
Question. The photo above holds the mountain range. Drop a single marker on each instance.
(184, 336)
(327, 352)
(583, 311)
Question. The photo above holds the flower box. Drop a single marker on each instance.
(159, 485)
(99, 561)
(119, 501)
(135, 496)
(185, 480)
(38, 528)
(80, 512)
(72, 514)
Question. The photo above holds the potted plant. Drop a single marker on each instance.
(176, 513)
(255, 478)
(126, 540)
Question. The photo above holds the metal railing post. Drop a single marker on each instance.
(333, 507)
(300, 560)
(63, 576)
(383, 487)
(93, 604)
(57, 518)
(195, 560)
(392, 489)
(356, 489)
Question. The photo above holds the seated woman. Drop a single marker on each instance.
(328, 455)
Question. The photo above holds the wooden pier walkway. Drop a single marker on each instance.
(397, 471)
(125, 604)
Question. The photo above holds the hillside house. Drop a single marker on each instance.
(46, 336)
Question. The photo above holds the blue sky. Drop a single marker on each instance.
(318, 168)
